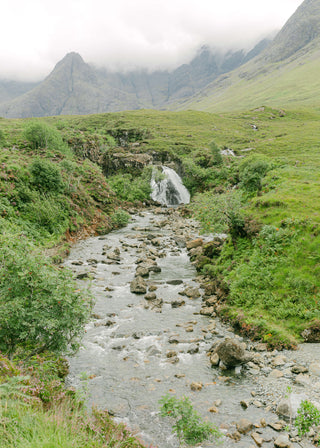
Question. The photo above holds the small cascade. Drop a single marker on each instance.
(169, 191)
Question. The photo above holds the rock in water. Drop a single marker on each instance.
(138, 286)
(232, 353)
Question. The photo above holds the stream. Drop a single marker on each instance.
(135, 350)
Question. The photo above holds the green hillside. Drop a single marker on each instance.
(293, 83)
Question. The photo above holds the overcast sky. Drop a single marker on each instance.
(128, 34)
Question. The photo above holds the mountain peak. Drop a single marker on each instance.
(70, 59)
(74, 56)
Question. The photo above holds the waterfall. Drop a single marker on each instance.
(169, 191)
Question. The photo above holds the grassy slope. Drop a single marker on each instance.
(292, 83)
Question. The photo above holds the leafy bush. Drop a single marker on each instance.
(2, 138)
(216, 154)
(189, 425)
(40, 306)
(130, 188)
(120, 218)
(47, 213)
(220, 213)
(308, 416)
(42, 136)
(46, 175)
(252, 171)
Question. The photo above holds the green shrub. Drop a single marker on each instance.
(252, 171)
(120, 218)
(46, 176)
(2, 138)
(42, 136)
(40, 305)
(47, 213)
(216, 154)
(189, 425)
(132, 188)
(220, 213)
(308, 416)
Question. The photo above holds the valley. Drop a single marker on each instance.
(252, 175)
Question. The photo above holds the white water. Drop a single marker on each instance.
(169, 191)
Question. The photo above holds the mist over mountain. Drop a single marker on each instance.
(285, 74)
(75, 87)
(280, 72)
(302, 28)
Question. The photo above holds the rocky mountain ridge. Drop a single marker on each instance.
(75, 87)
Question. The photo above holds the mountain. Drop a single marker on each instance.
(12, 89)
(75, 87)
(285, 74)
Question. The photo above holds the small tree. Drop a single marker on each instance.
(40, 305)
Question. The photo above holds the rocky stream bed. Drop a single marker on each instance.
(154, 331)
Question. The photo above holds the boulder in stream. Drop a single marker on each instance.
(232, 353)
(191, 292)
(194, 243)
(138, 286)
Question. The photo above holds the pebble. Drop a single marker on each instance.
(257, 438)
(194, 386)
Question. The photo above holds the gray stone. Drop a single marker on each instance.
(303, 379)
(257, 438)
(150, 296)
(176, 303)
(288, 407)
(232, 353)
(276, 374)
(245, 403)
(142, 271)
(174, 339)
(315, 368)
(207, 311)
(279, 360)
(174, 282)
(214, 359)
(191, 292)
(194, 243)
(299, 369)
(195, 386)
(193, 349)
(138, 286)
(283, 441)
(244, 425)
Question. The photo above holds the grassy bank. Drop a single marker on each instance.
(37, 411)
(48, 198)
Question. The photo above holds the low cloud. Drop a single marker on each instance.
(126, 35)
